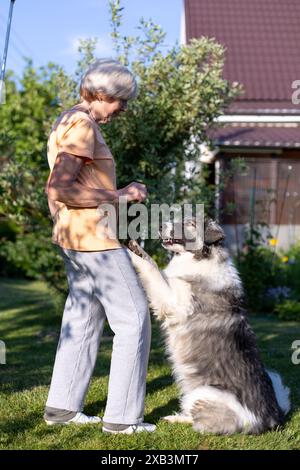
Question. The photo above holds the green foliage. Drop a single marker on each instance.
(292, 267)
(86, 49)
(288, 310)
(36, 258)
(270, 278)
(259, 270)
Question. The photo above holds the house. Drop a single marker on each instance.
(262, 41)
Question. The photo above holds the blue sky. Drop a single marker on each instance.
(48, 30)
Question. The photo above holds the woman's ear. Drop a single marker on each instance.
(213, 232)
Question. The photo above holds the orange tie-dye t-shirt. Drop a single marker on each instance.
(81, 229)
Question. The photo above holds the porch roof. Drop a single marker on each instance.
(278, 136)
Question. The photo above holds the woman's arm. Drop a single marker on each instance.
(62, 185)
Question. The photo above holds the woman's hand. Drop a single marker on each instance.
(133, 192)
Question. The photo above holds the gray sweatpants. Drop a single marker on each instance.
(103, 284)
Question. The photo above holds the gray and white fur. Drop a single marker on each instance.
(198, 299)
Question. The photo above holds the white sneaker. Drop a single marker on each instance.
(79, 418)
(133, 428)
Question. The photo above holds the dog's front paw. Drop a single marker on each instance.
(135, 248)
(136, 260)
(139, 263)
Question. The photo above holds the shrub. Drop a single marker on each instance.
(288, 310)
(260, 270)
(291, 266)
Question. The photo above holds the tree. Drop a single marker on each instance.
(180, 95)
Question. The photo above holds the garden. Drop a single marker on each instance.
(152, 143)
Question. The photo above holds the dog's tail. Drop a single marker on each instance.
(282, 392)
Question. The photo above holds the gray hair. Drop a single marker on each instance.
(109, 77)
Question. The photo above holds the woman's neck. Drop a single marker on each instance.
(85, 107)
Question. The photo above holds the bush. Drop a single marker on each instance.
(35, 257)
(291, 263)
(8, 232)
(260, 270)
(271, 280)
(288, 310)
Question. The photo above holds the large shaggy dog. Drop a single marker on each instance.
(198, 299)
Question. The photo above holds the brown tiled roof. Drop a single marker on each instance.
(262, 38)
(256, 136)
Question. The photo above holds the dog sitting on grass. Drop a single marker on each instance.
(198, 299)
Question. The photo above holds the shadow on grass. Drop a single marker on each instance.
(30, 328)
(159, 383)
(16, 426)
(169, 408)
(93, 409)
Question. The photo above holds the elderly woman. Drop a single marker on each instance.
(101, 278)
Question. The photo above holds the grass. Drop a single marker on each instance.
(29, 326)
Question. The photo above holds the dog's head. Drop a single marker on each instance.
(185, 236)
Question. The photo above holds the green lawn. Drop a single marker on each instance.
(29, 327)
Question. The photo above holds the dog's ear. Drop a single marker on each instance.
(213, 233)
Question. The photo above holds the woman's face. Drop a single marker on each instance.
(105, 109)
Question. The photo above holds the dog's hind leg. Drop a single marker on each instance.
(215, 418)
(219, 412)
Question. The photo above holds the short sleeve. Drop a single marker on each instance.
(78, 139)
